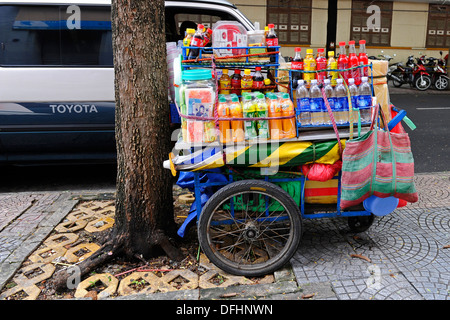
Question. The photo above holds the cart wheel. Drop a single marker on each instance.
(250, 228)
(360, 223)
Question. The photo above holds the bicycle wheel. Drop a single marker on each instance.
(250, 228)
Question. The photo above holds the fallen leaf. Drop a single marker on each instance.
(229, 295)
(360, 256)
(308, 296)
(446, 247)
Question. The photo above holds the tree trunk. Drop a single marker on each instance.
(144, 204)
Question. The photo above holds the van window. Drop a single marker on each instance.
(55, 36)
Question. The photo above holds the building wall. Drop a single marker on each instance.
(408, 31)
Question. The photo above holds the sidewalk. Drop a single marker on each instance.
(403, 256)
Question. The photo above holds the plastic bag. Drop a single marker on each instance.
(320, 171)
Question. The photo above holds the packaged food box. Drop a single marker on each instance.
(227, 34)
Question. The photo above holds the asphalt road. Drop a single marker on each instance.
(429, 110)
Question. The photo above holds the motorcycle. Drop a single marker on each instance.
(439, 78)
(413, 73)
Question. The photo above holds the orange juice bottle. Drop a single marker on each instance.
(224, 82)
(309, 64)
(247, 81)
(275, 125)
(287, 109)
(224, 126)
(237, 126)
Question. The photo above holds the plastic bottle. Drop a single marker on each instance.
(224, 126)
(316, 103)
(303, 109)
(309, 65)
(272, 40)
(354, 97)
(249, 111)
(363, 59)
(187, 39)
(321, 64)
(341, 103)
(353, 61)
(275, 125)
(247, 81)
(365, 100)
(196, 41)
(236, 82)
(268, 83)
(296, 64)
(262, 111)
(258, 79)
(207, 35)
(331, 98)
(287, 109)
(332, 64)
(224, 82)
(343, 61)
(237, 126)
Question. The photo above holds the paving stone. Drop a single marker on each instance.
(106, 279)
(90, 248)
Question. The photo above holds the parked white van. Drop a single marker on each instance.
(57, 77)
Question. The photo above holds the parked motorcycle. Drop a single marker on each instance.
(415, 74)
(436, 67)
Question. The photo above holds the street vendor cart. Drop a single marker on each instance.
(251, 196)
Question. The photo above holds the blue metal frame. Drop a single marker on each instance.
(198, 185)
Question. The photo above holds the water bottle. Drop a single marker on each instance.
(331, 97)
(303, 109)
(316, 103)
(365, 100)
(341, 105)
(354, 98)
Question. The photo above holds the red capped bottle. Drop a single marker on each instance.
(196, 41)
(272, 40)
(296, 64)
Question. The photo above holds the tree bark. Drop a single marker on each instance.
(144, 218)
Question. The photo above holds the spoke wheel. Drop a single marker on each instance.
(250, 228)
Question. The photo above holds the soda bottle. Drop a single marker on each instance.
(321, 64)
(272, 40)
(236, 82)
(237, 126)
(249, 111)
(341, 103)
(262, 111)
(287, 109)
(196, 41)
(268, 83)
(258, 79)
(309, 65)
(187, 39)
(354, 98)
(363, 59)
(207, 35)
(296, 64)
(247, 81)
(365, 100)
(275, 125)
(224, 126)
(353, 61)
(343, 61)
(331, 98)
(303, 110)
(316, 103)
(224, 82)
(332, 64)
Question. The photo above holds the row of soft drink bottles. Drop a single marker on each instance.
(312, 110)
(256, 105)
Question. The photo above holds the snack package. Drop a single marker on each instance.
(229, 34)
(200, 103)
